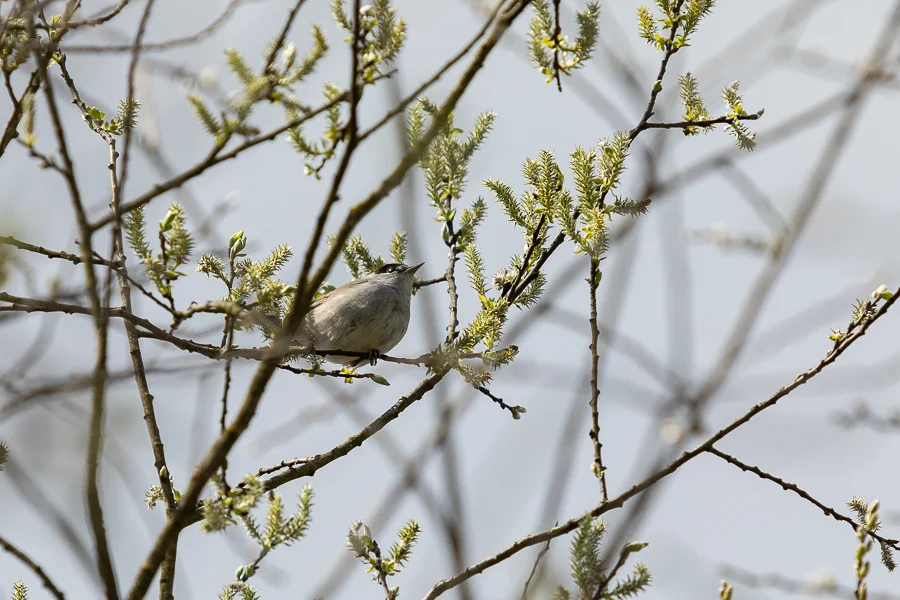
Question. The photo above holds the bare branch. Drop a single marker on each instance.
(840, 347)
(792, 487)
(42, 575)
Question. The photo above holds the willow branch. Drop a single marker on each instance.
(42, 575)
(837, 350)
(72, 258)
(100, 320)
(792, 487)
(200, 35)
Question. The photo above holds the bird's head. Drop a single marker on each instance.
(396, 274)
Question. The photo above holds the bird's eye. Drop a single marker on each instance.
(390, 268)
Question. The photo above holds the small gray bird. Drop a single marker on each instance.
(366, 315)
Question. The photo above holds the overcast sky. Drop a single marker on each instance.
(677, 298)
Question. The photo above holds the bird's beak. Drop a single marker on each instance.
(414, 268)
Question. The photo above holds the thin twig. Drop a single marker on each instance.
(307, 467)
(774, 581)
(351, 131)
(42, 575)
(671, 49)
(214, 157)
(515, 290)
(379, 570)
(513, 410)
(450, 277)
(608, 578)
(279, 41)
(140, 376)
(534, 567)
(100, 19)
(11, 130)
(336, 373)
(73, 258)
(199, 36)
(285, 464)
(420, 283)
(100, 320)
(27, 305)
(839, 348)
(557, 37)
(813, 193)
(705, 123)
(320, 460)
(401, 106)
(792, 487)
(300, 307)
(594, 432)
(130, 117)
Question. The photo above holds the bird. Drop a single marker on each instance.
(370, 314)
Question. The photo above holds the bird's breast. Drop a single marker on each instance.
(375, 319)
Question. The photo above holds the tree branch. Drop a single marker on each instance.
(792, 487)
(706, 123)
(199, 36)
(100, 320)
(42, 575)
(597, 467)
(72, 258)
(839, 348)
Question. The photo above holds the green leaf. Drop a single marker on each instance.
(612, 160)
(134, 231)
(166, 224)
(398, 247)
(632, 585)
(340, 15)
(96, 113)
(380, 380)
(239, 67)
(207, 119)
(475, 267)
(505, 195)
(401, 550)
(647, 26)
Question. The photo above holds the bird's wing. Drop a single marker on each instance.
(338, 297)
(337, 291)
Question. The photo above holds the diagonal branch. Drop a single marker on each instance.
(247, 410)
(11, 130)
(833, 149)
(792, 487)
(200, 35)
(214, 157)
(42, 575)
(538, 538)
(73, 258)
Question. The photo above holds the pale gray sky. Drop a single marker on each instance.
(708, 513)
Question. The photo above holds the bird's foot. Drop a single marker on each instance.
(374, 355)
